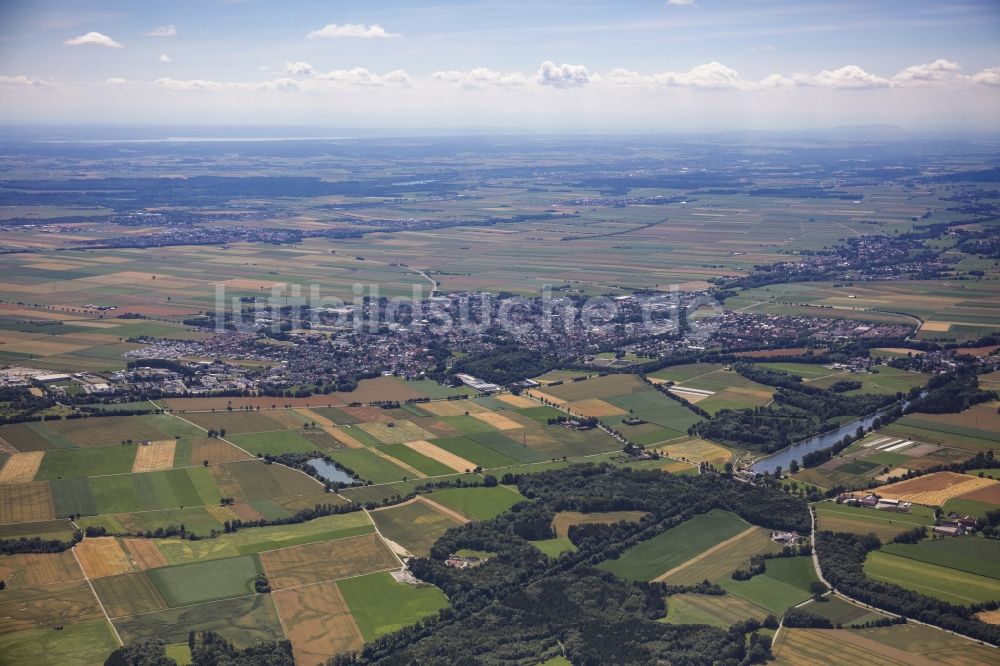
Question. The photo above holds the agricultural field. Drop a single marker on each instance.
(947, 309)
(712, 387)
(720, 611)
(658, 557)
(889, 452)
(862, 520)
(478, 503)
(381, 605)
(899, 645)
(784, 584)
(613, 398)
(414, 525)
(948, 569)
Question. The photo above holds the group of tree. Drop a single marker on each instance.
(207, 649)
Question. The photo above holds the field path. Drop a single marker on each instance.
(396, 549)
(451, 513)
(99, 602)
(697, 558)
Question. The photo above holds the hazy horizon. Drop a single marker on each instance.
(559, 67)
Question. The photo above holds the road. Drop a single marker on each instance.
(819, 574)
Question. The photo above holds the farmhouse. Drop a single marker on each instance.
(478, 384)
(949, 528)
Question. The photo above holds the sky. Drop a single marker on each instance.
(569, 66)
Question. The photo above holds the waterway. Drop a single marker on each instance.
(329, 472)
(784, 457)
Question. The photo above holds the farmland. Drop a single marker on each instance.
(182, 511)
(664, 552)
(944, 581)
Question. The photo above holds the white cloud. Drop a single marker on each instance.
(359, 76)
(939, 70)
(164, 57)
(710, 75)
(987, 77)
(163, 31)
(201, 85)
(360, 30)
(849, 76)
(22, 81)
(481, 77)
(298, 69)
(680, 3)
(562, 76)
(115, 81)
(93, 39)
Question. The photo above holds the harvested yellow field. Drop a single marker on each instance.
(594, 407)
(452, 407)
(395, 432)
(34, 569)
(698, 451)
(345, 439)
(222, 513)
(546, 397)
(144, 553)
(435, 452)
(712, 553)
(990, 617)
(564, 519)
(411, 471)
(240, 283)
(935, 489)
(41, 347)
(21, 467)
(154, 456)
(936, 326)
(516, 401)
(498, 421)
(102, 556)
(308, 414)
(318, 622)
(54, 266)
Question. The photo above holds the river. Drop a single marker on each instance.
(784, 457)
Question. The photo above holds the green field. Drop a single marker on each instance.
(420, 462)
(717, 611)
(245, 621)
(274, 443)
(81, 463)
(783, 585)
(76, 644)
(255, 540)
(656, 556)
(414, 525)
(555, 546)
(478, 503)
(862, 520)
(369, 466)
(381, 606)
(213, 580)
(972, 555)
(840, 611)
(940, 582)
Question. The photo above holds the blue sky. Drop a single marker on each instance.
(582, 65)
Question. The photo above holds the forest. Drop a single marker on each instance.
(522, 607)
